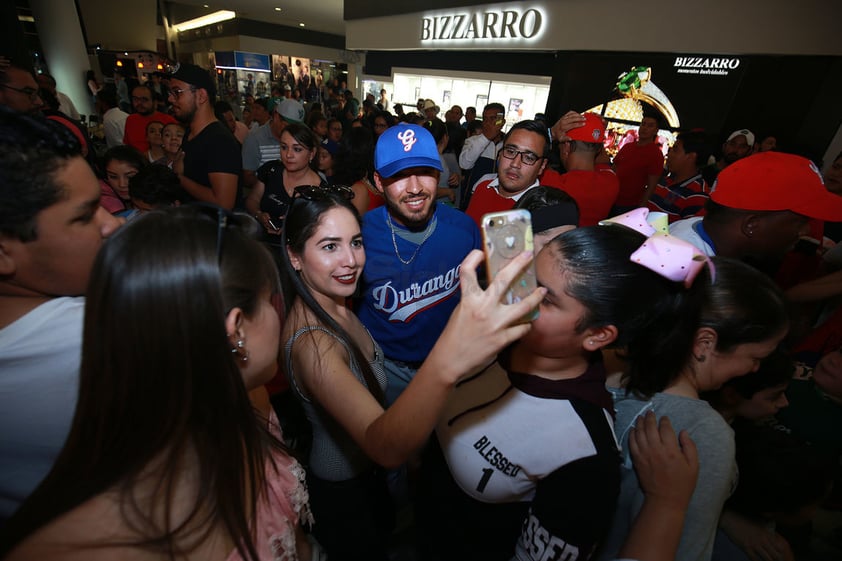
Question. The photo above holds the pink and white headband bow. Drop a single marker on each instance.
(670, 257)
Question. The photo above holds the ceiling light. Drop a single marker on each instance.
(301, 25)
(215, 17)
(277, 9)
(205, 5)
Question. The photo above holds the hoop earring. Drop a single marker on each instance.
(240, 350)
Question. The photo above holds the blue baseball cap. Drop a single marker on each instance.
(405, 146)
(331, 146)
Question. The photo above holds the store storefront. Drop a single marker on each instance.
(617, 66)
(523, 96)
(250, 57)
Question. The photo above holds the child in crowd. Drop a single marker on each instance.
(743, 401)
(168, 458)
(154, 186)
(734, 318)
(172, 135)
(525, 461)
(154, 137)
(327, 150)
(336, 368)
(120, 164)
(757, 395)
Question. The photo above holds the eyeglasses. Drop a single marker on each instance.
(29, 92)
(322, 192)
(528, 158)
(176, 92)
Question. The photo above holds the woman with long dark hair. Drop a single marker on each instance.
(336, 368)
(167, 457)
(271, 196)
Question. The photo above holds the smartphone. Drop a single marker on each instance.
(272, 224)
(506, 235)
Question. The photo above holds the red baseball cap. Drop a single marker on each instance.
(770, 181)
(592, 131)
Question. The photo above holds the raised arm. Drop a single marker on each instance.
(389, 437)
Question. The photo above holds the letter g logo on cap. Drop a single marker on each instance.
(408, 139)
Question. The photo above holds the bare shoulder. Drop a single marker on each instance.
(80, 535)
(86, 532)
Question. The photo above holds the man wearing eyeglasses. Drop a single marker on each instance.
(19, 90)
(136, 123)
(212, 164)
(520, 161)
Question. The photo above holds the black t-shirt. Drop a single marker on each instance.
(275, 199)
(213, 150)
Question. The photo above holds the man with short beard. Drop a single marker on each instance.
(143, 103)
(211, 167)
(414, 247)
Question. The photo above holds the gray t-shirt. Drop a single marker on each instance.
(717, 471)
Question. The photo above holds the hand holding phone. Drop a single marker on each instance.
(506, 235)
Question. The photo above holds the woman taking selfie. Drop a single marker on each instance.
(336, 368)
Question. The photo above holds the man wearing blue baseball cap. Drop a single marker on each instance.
(414, 248)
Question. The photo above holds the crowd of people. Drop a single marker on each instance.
(266, 333)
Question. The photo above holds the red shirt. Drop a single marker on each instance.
(486, 199)
(634, 164)
(135, 135)
(594, 191)
(375, 200)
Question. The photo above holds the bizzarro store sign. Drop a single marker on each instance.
(484, 25)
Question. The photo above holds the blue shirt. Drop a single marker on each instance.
(405, 307)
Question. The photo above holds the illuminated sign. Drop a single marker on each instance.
(491, 26)
(705, 65)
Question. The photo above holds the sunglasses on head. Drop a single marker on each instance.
(322, 192)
